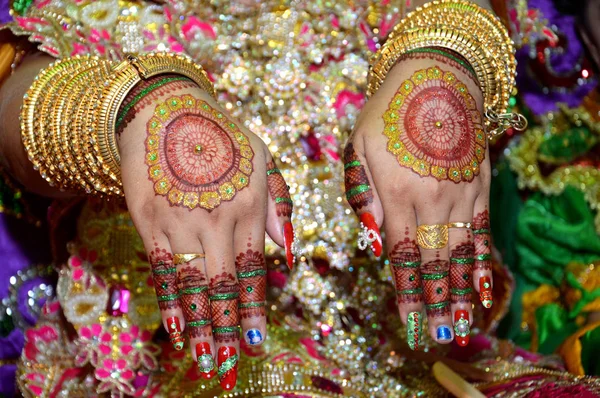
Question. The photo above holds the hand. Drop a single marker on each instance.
(418, 157)
(201, 190)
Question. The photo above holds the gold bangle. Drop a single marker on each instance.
(485, 44)
(69, 114)
(124, 77)
(433, 236)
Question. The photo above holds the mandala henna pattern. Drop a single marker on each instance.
(358, 190)
(196, 157)
(434, 127)
(279, 190)
(164, 276)
(405, 260)
(193, 298)
(252, 274)
(483, 241)
(461, 273)
(224, 294)
(434, 277)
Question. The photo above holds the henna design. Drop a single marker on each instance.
(145, 93)
(193, 297)
(434, 127)
(405, 260)
(196, 156)
(461, 273)
(224, 294)
(164, 276)
(252, 275)
(279, 191)
(445, 56)
(483, 241)
(436, 289)
(358, 190)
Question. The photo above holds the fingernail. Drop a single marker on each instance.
(206, 363)
(485, 291)
(228, 360)
(368, 222)
(175, 333)
(444, 333)
(288, 239)
(254, 337)
(461, 327)
(414, 329)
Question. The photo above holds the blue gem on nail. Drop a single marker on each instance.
(443, 333)
(253, 336)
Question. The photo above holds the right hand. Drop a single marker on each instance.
(198, 182)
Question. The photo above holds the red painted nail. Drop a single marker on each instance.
(174, 329)
(288, 239)
(461, 327)
(485, 291)
(369, 221)
(228, 361)
(206, 363)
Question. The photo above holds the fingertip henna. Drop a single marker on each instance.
(434, 277)
(252, 275)
(358, 190)
(279, 191)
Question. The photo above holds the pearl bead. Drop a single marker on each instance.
(463, 327)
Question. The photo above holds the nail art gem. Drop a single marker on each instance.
(206, 363)
(485, 291)
(254, 336)
(444, 333)
(228, 360)
(414, 329)
(369, 234)
(174, 329)
(461, 327)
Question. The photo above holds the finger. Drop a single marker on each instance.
(188, 257)
(249, 245)
(460, 243)
(405, 261)
(164, 276)
(223, 290)
(362, 195)
(482, 268)
(432, 238)
(279, 211)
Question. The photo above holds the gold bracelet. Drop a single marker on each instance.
(69, 114)
(484, 43)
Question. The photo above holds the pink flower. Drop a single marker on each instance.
(88, 345)
(162, 41)
(37, 341)
(139, 347)
(115, 375)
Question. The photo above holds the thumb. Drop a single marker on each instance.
(362, 196)
(279, 211)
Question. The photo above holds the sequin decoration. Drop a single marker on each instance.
(196, 156)
(434, 127)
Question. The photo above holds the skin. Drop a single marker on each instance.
(223, 234)
(403, 199)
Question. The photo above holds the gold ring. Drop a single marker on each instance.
(186, 257)
(432, 236)
(460, 225)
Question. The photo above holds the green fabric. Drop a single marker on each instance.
(553, 231)
(553, 326)
(590, 342)
(567, 146)
(505, 207)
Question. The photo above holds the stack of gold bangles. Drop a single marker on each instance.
(69, 114)
(470, 31)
